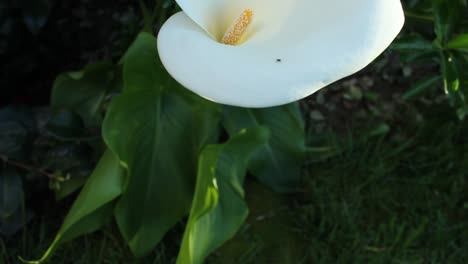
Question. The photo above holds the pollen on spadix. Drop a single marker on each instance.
(236, 30)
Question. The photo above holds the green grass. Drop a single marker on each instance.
(391, 200)
(398, 196)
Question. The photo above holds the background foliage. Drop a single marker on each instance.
(384, 184)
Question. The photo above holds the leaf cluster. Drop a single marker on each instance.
(442, 39)
(171, 154)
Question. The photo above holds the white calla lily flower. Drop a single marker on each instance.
(261, 53)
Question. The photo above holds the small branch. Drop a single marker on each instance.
(23, 166)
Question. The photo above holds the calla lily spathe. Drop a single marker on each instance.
(291, 49)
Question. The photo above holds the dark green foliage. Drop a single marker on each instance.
(17, 129)
(160, 133)
(92, 209)
(157, 131)
(218, 208)
(86, 92)
(395, 193)
(11, 200)
(278, 163)
(446, 46)
(400, 197)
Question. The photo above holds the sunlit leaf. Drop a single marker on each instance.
(157, 129)
(453, 82)
(459, 42)
(218, 208)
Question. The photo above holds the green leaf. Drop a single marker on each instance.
(420, 5)
(449, 73)
(266, 236)
(421, 87)
(70, 186)
(453, 81)
(93, 207)
(11, 192)
(218, 208)
(17, 129)
(447, 14)
(278, 163)
(65, 124)
(413, 43)
(157, 129)
(460, 42)
(85, 92)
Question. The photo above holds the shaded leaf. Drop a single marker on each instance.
(278, 163)
(218, 208)
(15, 222)
(447, 14)
(421, 86)
(67, 156)
(266, 236)
(413, 43)
(85, 92)
(65, 124)
(11, 192)
(17, 128)
(94, 206)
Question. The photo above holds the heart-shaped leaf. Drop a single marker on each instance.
(157, 129)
